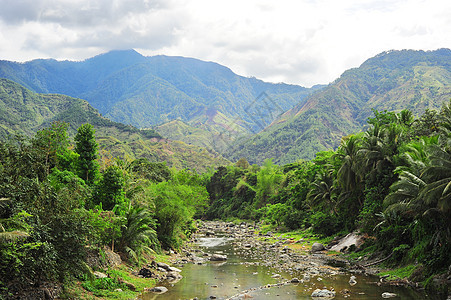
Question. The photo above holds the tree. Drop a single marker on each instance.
(348, 152)
(138, 233)
(322, 192)
(86, 147)
(53, 142)
(110, 190)
(242, 163)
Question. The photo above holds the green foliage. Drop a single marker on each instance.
(109, 192)
(138, 233)
(86, 147)
(175, 203)
(45, 223)
(154, 171)
(275, 213)
(324, 224)
(99, 286)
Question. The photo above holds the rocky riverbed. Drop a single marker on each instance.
(230, 261)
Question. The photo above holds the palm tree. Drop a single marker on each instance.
(322, 191)
(348, 153)
(437, 192)
(138, 234)
(405, 191)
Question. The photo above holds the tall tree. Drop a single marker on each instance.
(86, 146)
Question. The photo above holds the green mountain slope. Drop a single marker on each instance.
(146, 91)
(23, 111)
(394, 80)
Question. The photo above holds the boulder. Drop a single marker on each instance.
(218, 257)
(98, 274)
(388, 295)
(129, 285)
(317, 247)
(145, 272)
(323, 293)
(163, 265)
(352, 280)
(295, 280)
(158, 289)
(173, 277)
(174, 269)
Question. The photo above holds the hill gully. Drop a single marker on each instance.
(228, 261)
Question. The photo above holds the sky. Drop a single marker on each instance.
(302, 42)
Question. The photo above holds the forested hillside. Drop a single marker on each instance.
(22, 111)
(393, 80)
(145, 91)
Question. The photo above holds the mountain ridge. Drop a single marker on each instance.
(24, 112)
(185, 80)
(392, 80)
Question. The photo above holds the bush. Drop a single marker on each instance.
(295, 219)
(324, 224)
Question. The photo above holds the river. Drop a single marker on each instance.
(247, 274)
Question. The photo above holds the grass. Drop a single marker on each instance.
(105, 288)
(307, 236)
(399, 273)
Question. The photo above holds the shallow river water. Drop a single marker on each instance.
(229, 280)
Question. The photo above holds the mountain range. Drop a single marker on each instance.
(207, 105)
(24, 112)
(146, 91)
(392, 80)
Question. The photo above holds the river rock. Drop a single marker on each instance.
(317, 247)
(159, 289)
(98, 274)
(163, 265)
(388, 295)
(218, 257)
(174, 269)
(295, 280)
(352, 280)
(145, 272)
(323, 293)
(173, 277)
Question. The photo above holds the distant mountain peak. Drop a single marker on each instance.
(129, 56)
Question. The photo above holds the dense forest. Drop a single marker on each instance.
(59, 201)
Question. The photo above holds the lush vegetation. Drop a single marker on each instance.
(391, 181)
(22, 111)
(394, 80)
(72, 181)
(58, 201)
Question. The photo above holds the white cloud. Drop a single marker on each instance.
(303, 42)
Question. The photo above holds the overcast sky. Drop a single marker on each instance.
(304, 42)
